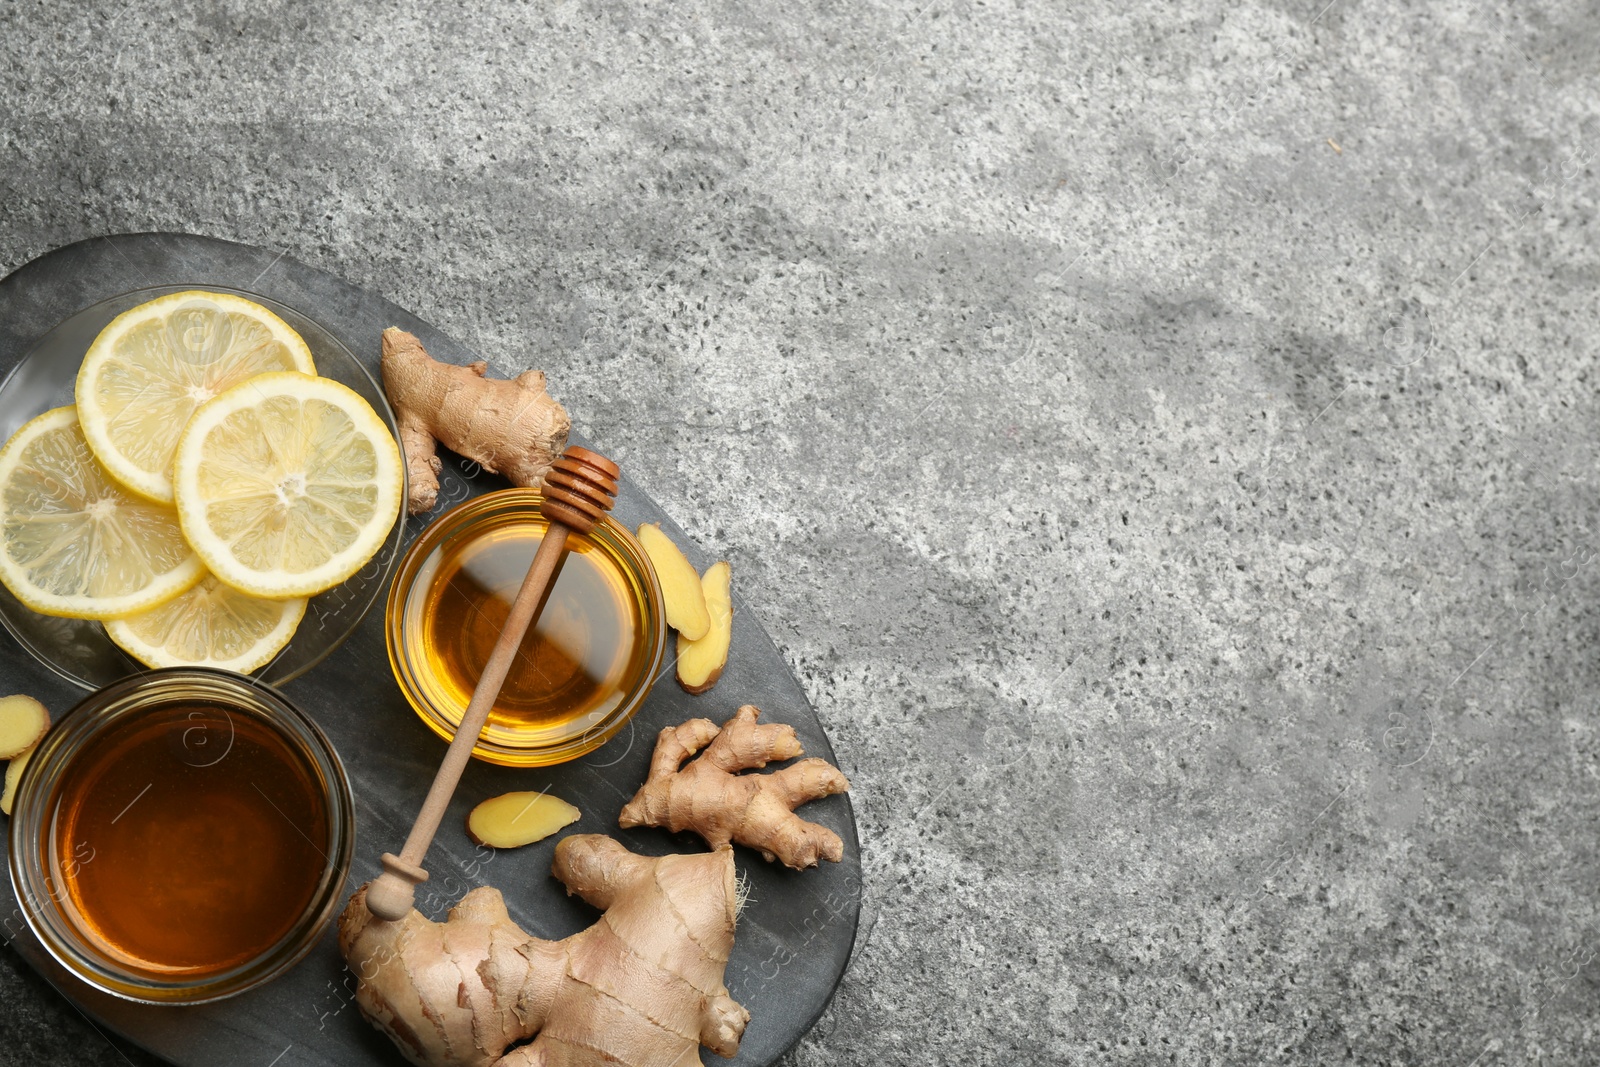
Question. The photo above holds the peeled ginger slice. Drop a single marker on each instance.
(23, 721)
(512, 820)
(680, 583)
(700, 662)
(13, 776)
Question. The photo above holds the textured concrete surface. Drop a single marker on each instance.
(1161, 435)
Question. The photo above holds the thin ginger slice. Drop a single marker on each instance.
(14, 771)
(23, 721)
(700, 662)
(680, 583)
(512, 820)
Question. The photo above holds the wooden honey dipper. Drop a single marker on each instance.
(580, 487)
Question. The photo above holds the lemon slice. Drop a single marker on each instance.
(75, 543)
(287, 484)
(148, 371)
(212, 625)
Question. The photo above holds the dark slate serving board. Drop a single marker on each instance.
(794, 937)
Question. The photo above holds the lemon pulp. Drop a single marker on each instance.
(287, 484)
(211, 625)
(148, 371)
(75, 543)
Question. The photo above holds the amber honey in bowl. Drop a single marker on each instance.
(575, 660)
(181, 836)
(582, 669)
(198, 840)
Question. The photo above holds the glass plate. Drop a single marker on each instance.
(78, 649)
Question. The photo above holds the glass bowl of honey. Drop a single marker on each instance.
(181, 836)
(584, 668)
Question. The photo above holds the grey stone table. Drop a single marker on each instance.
(1162, 438)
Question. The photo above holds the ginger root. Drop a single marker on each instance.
(512, 820)
(643, 985)
(23, 722)
(700, 662)
(711, 798)
(684, 597)
(507, 426)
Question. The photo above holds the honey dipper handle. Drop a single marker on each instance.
(579, 489)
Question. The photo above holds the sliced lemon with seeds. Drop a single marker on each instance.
(152, 366)
(75, 543)
(211, 625)
(287, 484)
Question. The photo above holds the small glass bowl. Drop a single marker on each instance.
(79, 650)
(487, 543)
(234, 706)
